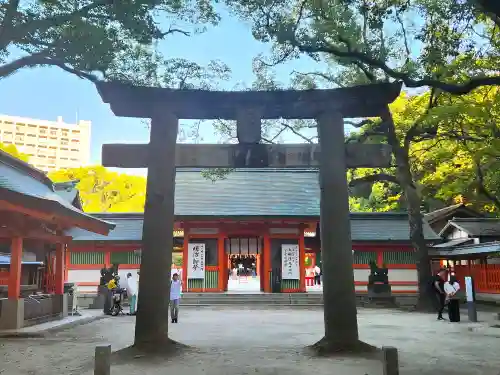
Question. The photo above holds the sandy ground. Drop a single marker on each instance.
(264, 341)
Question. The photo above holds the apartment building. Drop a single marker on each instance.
(51, 145)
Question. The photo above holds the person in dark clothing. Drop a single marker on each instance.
(437, 287)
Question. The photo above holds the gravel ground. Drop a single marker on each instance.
(264, 341)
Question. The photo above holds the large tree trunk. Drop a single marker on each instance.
(151, 329)
(340, 313)
(415, 217)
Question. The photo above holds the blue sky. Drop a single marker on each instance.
(46, 93)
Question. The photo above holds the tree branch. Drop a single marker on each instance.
(40, 59)
(7, 23)
(482, 187)
(378, 177)
(285, 125)
(452, 88)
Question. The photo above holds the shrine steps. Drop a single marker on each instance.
(245, 300)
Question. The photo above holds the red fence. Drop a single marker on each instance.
(486, 277)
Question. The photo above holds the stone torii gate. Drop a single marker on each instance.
(161, 156)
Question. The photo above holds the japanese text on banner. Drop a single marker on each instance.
(290, 262)
(196, 261)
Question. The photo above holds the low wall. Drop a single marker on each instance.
(41, 309)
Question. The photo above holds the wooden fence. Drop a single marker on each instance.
(486, 277)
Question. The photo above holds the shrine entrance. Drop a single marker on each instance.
(332, 155)
(244, 264)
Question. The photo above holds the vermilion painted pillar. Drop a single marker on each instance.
(221, 256)
(185, 260)
(266, 253)
(302, 261)
(16, 255)
(59, 279)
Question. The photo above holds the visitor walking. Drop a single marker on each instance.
(437, 289)
(452, 287)
(131, 293)
(175, 297)
(317, 275)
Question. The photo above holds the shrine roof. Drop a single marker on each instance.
(256, 194)
(28, 188)
(139, 101)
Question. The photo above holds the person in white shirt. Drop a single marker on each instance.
(131, 288)
(317, 275)
(451, 288)
(175, 297)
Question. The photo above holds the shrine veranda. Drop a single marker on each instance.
(259, 213)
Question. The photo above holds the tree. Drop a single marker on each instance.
(459, 161)
(104, 191)
(12, 150)
(95, 38)
(406, 40)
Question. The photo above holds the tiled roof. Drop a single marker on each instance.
(20, 183)
(445, 212)
(475, 227)
(257, 193)
(482, 248)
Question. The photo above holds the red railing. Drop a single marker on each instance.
(4, 278)
(486, 276)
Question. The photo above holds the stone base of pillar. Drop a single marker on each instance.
(12, 313)
(61, 304)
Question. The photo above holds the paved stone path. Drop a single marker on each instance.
(265, 342)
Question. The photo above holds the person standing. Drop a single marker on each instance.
(317, 275)
(175, 297)
(437, 289)
(452, 287)
(131, 293)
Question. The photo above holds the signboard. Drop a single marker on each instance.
(196, 261)
(290, 262)
(469, 289)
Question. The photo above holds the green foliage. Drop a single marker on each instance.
(96, 38)
(104, 191)
(12, 150)
(446, 44)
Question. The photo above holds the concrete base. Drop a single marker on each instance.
(61, 305)
(12, 314)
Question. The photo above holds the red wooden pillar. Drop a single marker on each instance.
(185, 260)
(59, 279)
(66, 264)
(221, 254)
(16, 255)
(302, 260)
(380, 258)
(266, 253)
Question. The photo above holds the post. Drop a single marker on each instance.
(390, 360)
(151, 327)
(185, 249)
(471, 298)
(302, 260)
(341, 326)
(102, 361)
(266, 253)
(221, 253)
(16, 255)
(59, 274)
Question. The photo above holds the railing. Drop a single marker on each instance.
(4, 278)
(486, 276)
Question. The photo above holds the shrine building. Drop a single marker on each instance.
(35, 213)
(254, 231)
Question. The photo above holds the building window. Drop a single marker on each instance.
(64, 142)
(64, 133)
